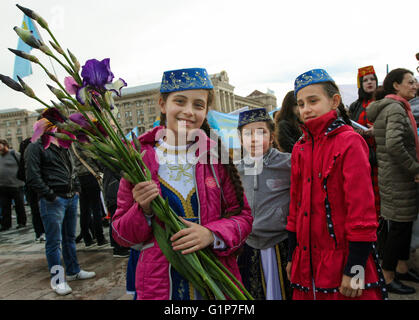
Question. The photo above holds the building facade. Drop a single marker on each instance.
(138, 107)
(16, 125)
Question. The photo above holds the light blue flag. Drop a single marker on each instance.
(225, 125)
(23, 67)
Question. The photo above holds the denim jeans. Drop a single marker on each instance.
(60, 220)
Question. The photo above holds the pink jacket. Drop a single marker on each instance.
(130, 226)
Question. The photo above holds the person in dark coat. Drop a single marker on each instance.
(111, 186)
(395, 132)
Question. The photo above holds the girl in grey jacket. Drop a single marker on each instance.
(265, 174)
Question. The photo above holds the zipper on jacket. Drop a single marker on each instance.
(311, 260)
(197, 194)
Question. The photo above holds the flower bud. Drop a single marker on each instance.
(27, 37)
(57, 92)
(45, 49)
(33, 15)
(57, 48)
(26, 89)
(74, 60)
(11, 83)
(25, 55)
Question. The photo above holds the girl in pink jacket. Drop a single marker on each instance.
(207, 194)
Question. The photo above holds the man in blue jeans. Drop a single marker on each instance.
(51, 173)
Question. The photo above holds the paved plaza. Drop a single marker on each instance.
(24, 273)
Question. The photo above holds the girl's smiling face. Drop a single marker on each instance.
(313, 102)
(185, 111)
(256, 138)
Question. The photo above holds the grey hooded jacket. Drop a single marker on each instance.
(268, 193)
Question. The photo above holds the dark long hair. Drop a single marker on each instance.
(362, 95)
(231, 168)
(331, 89)
(287, 114)
(395, 75)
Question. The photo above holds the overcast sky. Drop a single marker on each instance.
(261, 44)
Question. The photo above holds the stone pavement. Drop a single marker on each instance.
(24, 272)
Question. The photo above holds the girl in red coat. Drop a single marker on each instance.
(332, 222)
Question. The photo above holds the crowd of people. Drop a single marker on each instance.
(323, 195)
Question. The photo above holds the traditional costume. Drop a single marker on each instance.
(358, 113)
(266, 182)
(197, 191)
(332, 222)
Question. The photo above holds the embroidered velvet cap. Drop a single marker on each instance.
(311, 77)
(363, 72)
(185, 79)
(253, 115)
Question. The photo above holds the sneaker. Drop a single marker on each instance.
(102, 243)
(79, 238)
(82, 275)
(121, 253)
(20, 226)
(89, 244)
(62, 289)
(4, 229)
(42, 238)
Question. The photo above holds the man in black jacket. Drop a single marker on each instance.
(11, 188)
(51, 173)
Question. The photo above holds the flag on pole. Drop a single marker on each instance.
(23, 67)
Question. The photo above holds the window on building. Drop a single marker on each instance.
(7, 124)
(18, 122)
(19, 131)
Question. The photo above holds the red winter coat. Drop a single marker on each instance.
(332, 202)
(130, 227)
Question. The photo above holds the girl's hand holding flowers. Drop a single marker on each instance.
(144, 193)
(191, 239)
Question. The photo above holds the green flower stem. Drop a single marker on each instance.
(59, 84)
(211, 256)
(66, 68)
(118, 143)
(223, 277)
(127, 148)
(39, 100)
(77, 78)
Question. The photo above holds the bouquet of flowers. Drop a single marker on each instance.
(88, 92)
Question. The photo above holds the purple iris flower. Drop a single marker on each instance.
(97, 73)
(80, 120)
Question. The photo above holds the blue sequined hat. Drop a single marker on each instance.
(253, 115)
(311, 77)
(185, 79)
